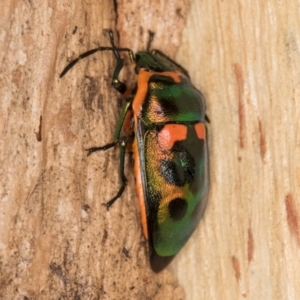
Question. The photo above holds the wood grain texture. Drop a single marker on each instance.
(57, 239)
(245, 57)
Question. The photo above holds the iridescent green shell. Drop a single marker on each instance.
(173, 164)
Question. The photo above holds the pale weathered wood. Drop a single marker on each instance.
(245, 57)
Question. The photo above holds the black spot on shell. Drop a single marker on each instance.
(179, 170)
(177, 208)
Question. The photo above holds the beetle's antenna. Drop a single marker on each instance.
(113, 48)
(90, 52)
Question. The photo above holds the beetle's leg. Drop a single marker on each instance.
(122, 143)
(117, 84)
(151, 36)
(178, 66)
(116, 140)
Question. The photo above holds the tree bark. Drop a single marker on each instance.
(57, 240)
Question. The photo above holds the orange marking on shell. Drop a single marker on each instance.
(170, 134)
(139, 187)
(200, 130)
(142, 83)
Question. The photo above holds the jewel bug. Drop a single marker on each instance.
(169, 147)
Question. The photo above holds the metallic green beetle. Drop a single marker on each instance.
(169, 148)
